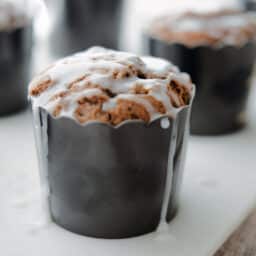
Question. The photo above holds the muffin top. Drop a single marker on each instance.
(216, 29)
(112, 87)
(14, 14)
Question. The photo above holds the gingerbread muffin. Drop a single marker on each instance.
(15, 55)
(111, 131)
(218, 51)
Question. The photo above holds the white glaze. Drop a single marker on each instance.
(41, 140)
(17, 13)
(197, 24)
(97, 66)
(163, 224)
(226, 29)
(165, 123)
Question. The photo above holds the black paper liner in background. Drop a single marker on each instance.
(86, 23)
(15, 60)
(222, 79)
(250, 5)
(109, 182)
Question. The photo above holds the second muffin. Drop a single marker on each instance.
(218, 51)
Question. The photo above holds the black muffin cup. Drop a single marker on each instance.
(85, 23)
(15, 60)
(108, 182)
(222, 77)
(250, 5)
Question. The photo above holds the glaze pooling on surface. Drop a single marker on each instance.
(112, 83)
(217, 29)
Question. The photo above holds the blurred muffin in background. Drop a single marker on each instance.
(218, 50)
(138, 13)
(79, 24)
(16, 33)
(111, 127)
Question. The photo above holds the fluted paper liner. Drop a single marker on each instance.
(112, 182)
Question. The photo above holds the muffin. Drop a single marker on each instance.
(218, 51)
(111, 130)
(79, 24)
(15, 55)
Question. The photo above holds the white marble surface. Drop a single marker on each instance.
(218, 193)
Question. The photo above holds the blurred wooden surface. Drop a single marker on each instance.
(243, 241)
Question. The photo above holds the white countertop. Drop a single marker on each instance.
(218, 193)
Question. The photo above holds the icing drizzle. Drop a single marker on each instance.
(97, 70)
(226, 27)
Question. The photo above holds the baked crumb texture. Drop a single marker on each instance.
(111, 87)
(216, 29)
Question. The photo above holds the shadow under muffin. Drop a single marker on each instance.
(222, 77)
